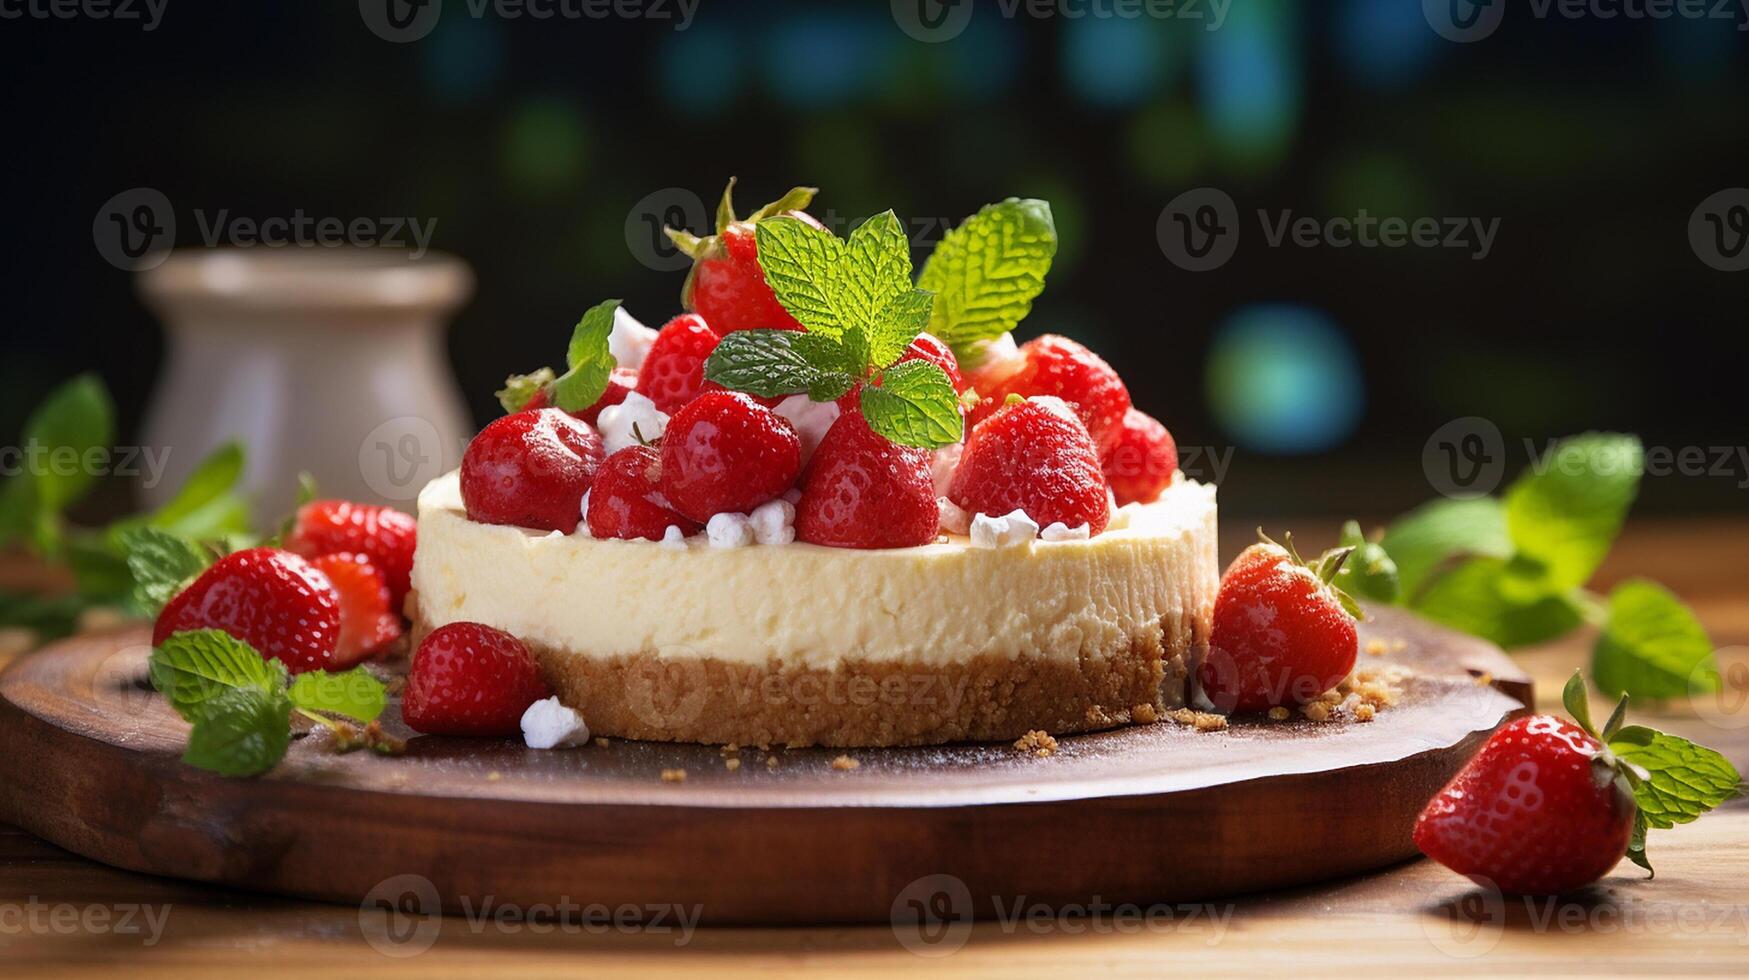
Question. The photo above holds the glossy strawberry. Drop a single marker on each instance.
(725, 452)
(530, 469)
(1282, 634)
(368, 620)
(469, 679)
(673, 371)
(726, 285)
(386, 535)
(1033, 455)
(863, 491)
(1539, 810)
(1140, 464)
(620, 382)
(626, 499)
(1053, 365)
(927, 348)
(273, 600)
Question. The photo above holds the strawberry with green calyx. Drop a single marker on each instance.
(1369, 572)
(1548, 806)
(726, 285)
(590, 380)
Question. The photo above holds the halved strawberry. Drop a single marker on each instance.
(383, 534)
(368, 620)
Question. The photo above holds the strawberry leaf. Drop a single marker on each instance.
(520, 389)
(914, 405)
(1637, 844)
(986, 273)
(589, 360)
(354, 693)
(1577, 704)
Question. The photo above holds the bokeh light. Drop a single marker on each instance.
(1284, 379)
(464, 58)
(700, 71)
(1113, 61)
(815, 60)
(1249, 83)
(1383, 43)
(545, 146)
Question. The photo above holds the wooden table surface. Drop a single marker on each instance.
(63, 915)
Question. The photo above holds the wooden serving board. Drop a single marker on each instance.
(1153, 813)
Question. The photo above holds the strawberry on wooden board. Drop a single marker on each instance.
(386, 535)
(272, 600)
(471, 679)
(530, 469)
(369, 621)
(726, 285)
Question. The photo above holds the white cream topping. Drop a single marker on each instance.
(1058, 531)
(954, 519)
(549, 724)
(629, 341)
(673, 537)
(942, 464)
(774, 522)
(621, 425)
(1012, 528)
(729, 530)
(811, 419)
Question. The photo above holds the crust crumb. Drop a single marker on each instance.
(730, 749)
(845, 763)
(494, 776)
(1202, 721)
(1316, 710)
(1364, 712)
(674, 775)
(601, 740)
(1038, 743)
(1377, 648)
(732, 764)
(771, 762)
(1144, 714)
(1279, 713)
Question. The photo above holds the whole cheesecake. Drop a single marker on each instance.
(801, 644)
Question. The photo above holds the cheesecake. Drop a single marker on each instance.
(803, 644)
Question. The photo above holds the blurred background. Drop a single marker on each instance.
(1311, 377)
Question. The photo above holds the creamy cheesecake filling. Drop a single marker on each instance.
(810, 607)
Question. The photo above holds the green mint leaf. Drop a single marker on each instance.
(1369, 572)
(1578, 705)
(1637, 843)
(1428, 537)
(49, 617)
(589, 360)
(766, 363)
(1683, 780)
(1566, 512)
(520, 389)
(74, 420)
(877, 268)
(1652, 645)
(831, 386)
(193, 668)
(1479, 596)
(206, 505)
(161, 563)
(99, 565)
(244, 732)
(986, 273)
(914, 405)
(354, 693)
(805, 268)
(897, 324)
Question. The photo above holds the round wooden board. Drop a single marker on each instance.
(1152, 813)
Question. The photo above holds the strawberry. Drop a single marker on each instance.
(1053, 365)
(620, 383)
(273, 600)
(726, 285)
(927, 348)
(469, 679)
(530, 469)
(863, 491)
(1140, 464)
(383, 534)
(367, 620)
(1033, 455)
(626, 501)
(673, 371)
(1543, 808)
(1282, 633)
(726, 453)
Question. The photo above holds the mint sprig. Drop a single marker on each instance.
(914, 405)
(589, 360)
(161, 563)
(986, 273)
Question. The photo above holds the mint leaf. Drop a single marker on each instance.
(193, 668)
(354, 693)
(1652, 645)
(1369, 571)
(766, 363)
(986, 273)
(804, 267)
(914, 405)
(589, 360)
(520, 389)
(1683, 780)
(75, 419)
(161, 564)
(192, 510)
(897, 324)
(1479, 597)
(244, 732)
(1566, 513)
(877, 269)
(1429, 536)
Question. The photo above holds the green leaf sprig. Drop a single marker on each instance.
(986, 273)
(589, 363)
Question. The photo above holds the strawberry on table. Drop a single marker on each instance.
(673, 371)
(1282, 634)
(471, 679)
(368, 620)
(1033, 455)
(530, 469)
(861, 490)
(1053, 365)
(726, 285)
(273, 600)
(626, 501)
(383, 534)
(1140, 464)
(726, 453)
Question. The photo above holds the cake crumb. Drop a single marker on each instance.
(1364, 712)
(771, 762)
(1316, 710)
(732, 764)
(845, 763)
(1484, 679)
(1202, 721)
(494, 776)
(1279, 713)
(730, 749)
(601, 740)
(1038, 743)
(1144, 714)
(674, 775)
(1377, 648)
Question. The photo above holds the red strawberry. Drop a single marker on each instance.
(1540, 810)
(626, 499)
(530, 469)
(726, 285)
(863, 491)
(384, 534)
(620, 383)
(673, 371)
(725, 452)
(368, 622)
(1141, 463)
(1033, 455)
(1282, 633)
(1053, 365)
(469, 679)
(927, 348)
(272, 600)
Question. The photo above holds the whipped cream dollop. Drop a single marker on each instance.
(629, 341)
(1013, 528)
(954, 519)
(1058, 531)
(621, 425)
(549, 724)
(673, 537)
(773, 522)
